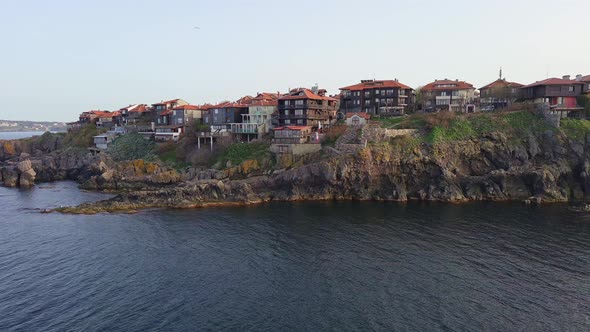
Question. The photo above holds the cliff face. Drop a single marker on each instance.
(543, 168)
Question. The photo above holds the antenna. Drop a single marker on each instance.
(500, 72)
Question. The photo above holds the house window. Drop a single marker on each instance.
(367, 93)
(355, 120)
(570, 89)
(298, 112)
(216, 111)
(444, 93)
(287, 121)
(376, 92)
(298, 102)
(207, 120)
(300, 121)
(179, 120)
(286, 112)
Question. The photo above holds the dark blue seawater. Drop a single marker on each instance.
(292, 266)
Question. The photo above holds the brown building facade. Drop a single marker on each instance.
(376, 97)
(304, 107)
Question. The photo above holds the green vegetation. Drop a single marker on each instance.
(82, 138)
(390, 122)
(199, 127)
(575, 129)
(237, 153)
(131, 147)
(448, 127)
(584, 101)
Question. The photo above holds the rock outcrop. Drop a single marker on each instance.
(543, 168)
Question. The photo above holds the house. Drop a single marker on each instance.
(258, 120)
(557, 96)
(163, 110)
(104, 120)
(295, 140)
(220, 117)
(357, 119)
(117, 118)
(305, 107)
(92, 116)
(500, 93)
(136, 113)
(185, 116)
(168, 105)
(376, 97)
(446, 94)
(586, 81)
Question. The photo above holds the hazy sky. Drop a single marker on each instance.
(61, 57)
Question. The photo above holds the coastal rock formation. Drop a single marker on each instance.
(543, 168)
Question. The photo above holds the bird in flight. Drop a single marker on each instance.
(198, 28)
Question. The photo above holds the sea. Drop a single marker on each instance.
(305, 266)
(19, 134)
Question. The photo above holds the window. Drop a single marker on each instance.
(207, 120)
(286, 112)
(287, 121)
(298, 112)
(216, 111)
(570, 89)
(159, 120)
(367, 93)
(355, 120)
(300, 121)
(298, 102)
(444, 93)
(376, 92)
(179, 120)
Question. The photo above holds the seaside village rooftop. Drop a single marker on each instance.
(300, 121)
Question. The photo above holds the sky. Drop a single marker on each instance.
(62, 57)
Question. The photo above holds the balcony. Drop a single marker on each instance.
(246, 128)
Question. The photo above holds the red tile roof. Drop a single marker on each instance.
(142, 108)
(295, 128)
(228, 104)
(116, 113)
(267, 96)
(102, 114)
(186, 107)
(585, 78)
(376, 84)
(553, 81)
(500, 83)
(303, 93)
(265, 103)
(363, 115)
(458, 85)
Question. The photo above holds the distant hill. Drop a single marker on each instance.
(41, 126)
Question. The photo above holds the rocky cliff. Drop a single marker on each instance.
(546, 167)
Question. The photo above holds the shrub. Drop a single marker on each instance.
(237, 153)
(575, 129)
(332, 135)
(83, 138)
(131, 147)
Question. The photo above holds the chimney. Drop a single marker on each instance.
(566, 77)
(578, 77)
